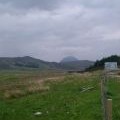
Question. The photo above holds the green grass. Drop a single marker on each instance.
(63, 101)
(114, 89)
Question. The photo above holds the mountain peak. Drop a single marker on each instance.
(69, 59)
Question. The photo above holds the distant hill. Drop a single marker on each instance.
(77, 65)
(29, 62)
(99, 64)
(21, 62)
(69, 59)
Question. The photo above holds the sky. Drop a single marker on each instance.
(53, 29)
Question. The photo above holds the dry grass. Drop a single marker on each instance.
(21, 88)
(29, 89)
(34, 89)
(13, 94)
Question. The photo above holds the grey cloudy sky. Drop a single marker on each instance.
(53, 29)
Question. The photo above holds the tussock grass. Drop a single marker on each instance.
(17, 90)
(13, 94)
(35, 89)
(15, 84)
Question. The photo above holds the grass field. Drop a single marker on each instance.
(55, 96)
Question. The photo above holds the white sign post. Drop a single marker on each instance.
(111, 66)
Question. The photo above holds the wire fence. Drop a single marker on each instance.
(105, 98)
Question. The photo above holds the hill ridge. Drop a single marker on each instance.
(30, 62)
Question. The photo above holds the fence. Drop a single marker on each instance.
(106, 102)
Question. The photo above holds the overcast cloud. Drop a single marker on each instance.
(53, 29)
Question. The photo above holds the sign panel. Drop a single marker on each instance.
(111, 66)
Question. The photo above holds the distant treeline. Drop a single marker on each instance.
(99, 64)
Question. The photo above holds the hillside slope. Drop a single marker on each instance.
(77, 65)
(29, 62)
(21, 62)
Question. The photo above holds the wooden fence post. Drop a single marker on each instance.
(109, 109)
(104, 96)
